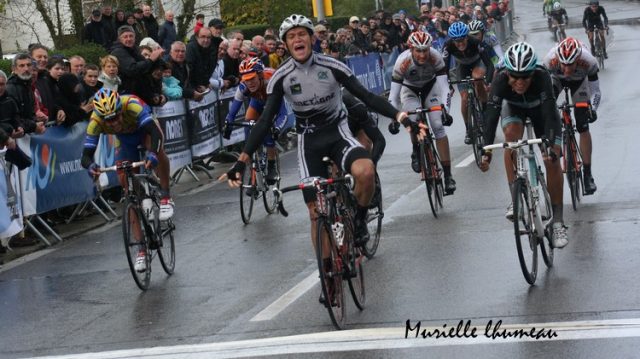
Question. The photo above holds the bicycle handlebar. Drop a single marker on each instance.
(123, 165)
(243, 123)
(425, 110)
(466, 80)
(317, 182)
(515, 145)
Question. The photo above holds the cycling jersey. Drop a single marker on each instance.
(592, 18)
(537, 103)
(560, 16)
(473, 55)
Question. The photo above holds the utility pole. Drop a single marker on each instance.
(320, 9)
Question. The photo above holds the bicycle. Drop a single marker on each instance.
(558, 30)
(141, 218)
(254, 182)
(572, 159)
(335, 207)
(597, 46)
(374, 220)
(474, 116)
(532, 210)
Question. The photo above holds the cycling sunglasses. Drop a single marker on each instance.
(521, 75)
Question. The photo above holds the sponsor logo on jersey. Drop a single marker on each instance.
(296, 89)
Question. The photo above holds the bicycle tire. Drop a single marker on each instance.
(268, 197)
(546, 210)
(374, 221)
(471, 115)
(526, 242)
(246, 197)
(437, 175)
(167, 248)
(352, 257)
(334, 302)
(478, 135)
(425, 167)
(132, 247)
(570, 170)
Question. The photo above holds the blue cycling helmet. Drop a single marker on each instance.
(520, 58)
(458, 30)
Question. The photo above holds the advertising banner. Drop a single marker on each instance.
(203, 125)
(10, 211)
(223, 109)
(173, 120)
(369, 70)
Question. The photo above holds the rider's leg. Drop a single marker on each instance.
(410, 101)
(603, 42)
(590, 35)
(477, 73)
(583, 94)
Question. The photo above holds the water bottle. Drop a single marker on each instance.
(147, 208)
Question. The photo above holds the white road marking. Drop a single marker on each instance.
(372, 339)
(24, 259)
(287, 298)
(467, 161)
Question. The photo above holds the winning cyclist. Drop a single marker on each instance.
(471, 59)
(131, 120)
(255, 77)
(478, 31)
(419, 79)
(591, 18)
(311, 84)
(528, 92)
(572, 66)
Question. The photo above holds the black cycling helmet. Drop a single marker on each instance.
(594, 2)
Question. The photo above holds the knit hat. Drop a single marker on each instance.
(125, 28)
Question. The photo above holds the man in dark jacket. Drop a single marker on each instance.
(232, 63)
(201, 59)
(132, 64)
(19, 89)
(180, 71)
(108, 23)
(167, 34)
(95, 30)
(150, 22)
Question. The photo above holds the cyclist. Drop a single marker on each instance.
(527, 91)
(478, 31)
(419, 79)
(547, 7)
(254, 80)
(311, 84)
(131, 120)
(572, 66)
(559, 15)
(592, 17)
(471, 58)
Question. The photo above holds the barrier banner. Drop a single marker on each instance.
(56, 178)
(388, 60)
(369, 70)
(204, 134)
(105, 156)
(10, 210)
(173, 120)
(238, 134)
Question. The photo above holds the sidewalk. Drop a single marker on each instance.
(79, 226)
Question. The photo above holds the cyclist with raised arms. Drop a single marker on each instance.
(593, 15)
(478, 31)
(131, 120)
(472, 59)
(419, 80)
(311, 84)
(254, 80)
(572, 66)
(527, 91)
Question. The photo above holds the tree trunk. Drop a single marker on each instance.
(42, 9)
(185, 18)
(77, 20)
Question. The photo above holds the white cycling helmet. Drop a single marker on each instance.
(520, 58)
(557, 6)
(295, 21)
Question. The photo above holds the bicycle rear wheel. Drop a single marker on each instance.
(331, 277)
(268, 197)
(167, 249)
(352, 258)
(429, 180)
(132, 222)
(374, 221)
(570, 170)
(248, 193)
(526, 240)
(547, 215)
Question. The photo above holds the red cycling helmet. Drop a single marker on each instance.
(419, 40)
(568, 50)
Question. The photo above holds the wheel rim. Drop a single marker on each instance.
(547, 212)
(132, 247)
(428, 180)
(524, 233)
(353, 262)
(246, 201)
(167, 250)
(269, 198)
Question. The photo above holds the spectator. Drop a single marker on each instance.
(90, 83)
(150, 22)
(235, 35)
(50, 92)
(95, 30)
(359, 39)
(170, 85)
(232, 62)
(132, 64)
(120, 19)
(201, 59)
(10, 124)
(320, 33)
(280, 54)
(145, 51)
(394, 29)
(270, 32)
(216, 26)
(257, 42)
(379, 42)
(149, 86)
(138, 28)
(269, 48)
(71, 100)
(19, 89)
(149, 42)
(366, 32)
(109, 75)
(109, 23)
(40, 56)
(180, 70)
(167, 33)
(199, 23)
(77, 65)
(215, 81)
(324, 48)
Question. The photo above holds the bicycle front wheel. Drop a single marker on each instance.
(546, 212)
(374, 221)
(135, 242)
(331, 272)
(426, 166)
(478, 135)
(167, 249)
(248, 193)
(570, 170)
(526, 240)
(269, 198)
